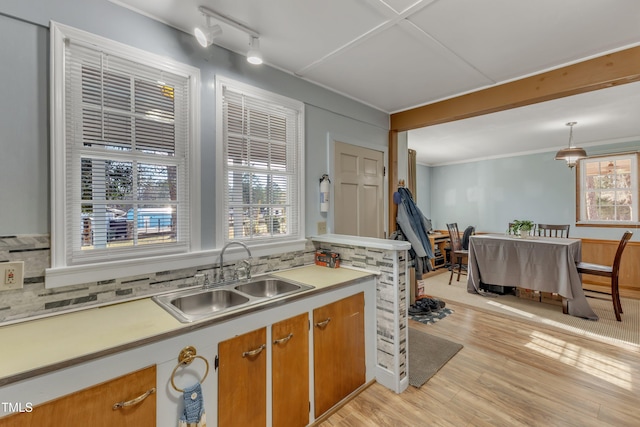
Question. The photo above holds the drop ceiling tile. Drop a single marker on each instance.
(396, 69)
(307, 31)
(518, 38)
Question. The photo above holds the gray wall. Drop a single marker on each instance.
(322, 124)
(24, 164)
(24, 160)
(423, 189)
(490, 193)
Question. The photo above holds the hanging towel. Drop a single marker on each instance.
(193, 415)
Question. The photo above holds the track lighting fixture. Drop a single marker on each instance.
(254, 56)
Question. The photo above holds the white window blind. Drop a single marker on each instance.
(126, 156)
(262, 171)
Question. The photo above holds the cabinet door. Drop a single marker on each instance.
(242, 380)
(290, 371)
(338, 350)
(93, 406)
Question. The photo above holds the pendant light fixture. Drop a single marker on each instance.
(571, 154)
(254, 56)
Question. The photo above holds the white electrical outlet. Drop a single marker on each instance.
(11, 275)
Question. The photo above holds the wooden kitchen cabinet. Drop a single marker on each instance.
(242, 380)
(94, 406)
(339, 352)
(290, 371)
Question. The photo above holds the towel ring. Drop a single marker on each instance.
(188, 355)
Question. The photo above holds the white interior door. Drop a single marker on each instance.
(359, 191)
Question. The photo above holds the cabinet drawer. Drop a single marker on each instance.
(94, 406)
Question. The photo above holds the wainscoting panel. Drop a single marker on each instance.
(603, 252)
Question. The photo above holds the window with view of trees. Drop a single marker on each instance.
(262, 171)
(608, 190)
(125, 152)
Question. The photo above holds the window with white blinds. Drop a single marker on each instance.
(126, 152)
(261, 162)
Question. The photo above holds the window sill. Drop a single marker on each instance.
(74, 275)
(608, 224)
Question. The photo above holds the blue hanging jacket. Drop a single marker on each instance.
(413, 224)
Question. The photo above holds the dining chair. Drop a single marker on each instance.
(553, 230)
(457, 253)
(609, 271)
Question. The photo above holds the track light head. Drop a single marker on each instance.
(205, 36)
(254, 56)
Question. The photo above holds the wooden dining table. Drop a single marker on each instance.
(545, 264)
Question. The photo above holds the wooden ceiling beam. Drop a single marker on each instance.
(598, 73)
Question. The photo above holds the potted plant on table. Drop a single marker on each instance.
(521, 228)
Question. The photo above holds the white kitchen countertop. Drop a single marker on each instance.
(369, 242)
(30, 347)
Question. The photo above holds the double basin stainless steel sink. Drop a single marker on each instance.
(189, 305)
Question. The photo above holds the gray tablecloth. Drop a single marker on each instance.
(540, 263)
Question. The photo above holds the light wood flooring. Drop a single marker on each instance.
(509, 373)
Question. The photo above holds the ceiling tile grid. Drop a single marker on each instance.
(456, 46)
(403, 56)
(394, 55)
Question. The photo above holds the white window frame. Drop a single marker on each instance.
(581, 189)
(294, 241)
(62, 271)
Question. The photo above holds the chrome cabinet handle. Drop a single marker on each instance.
(135, 401)
(323, 323)
(284, 340)
(254, 352)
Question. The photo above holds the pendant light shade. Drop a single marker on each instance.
(571, 154)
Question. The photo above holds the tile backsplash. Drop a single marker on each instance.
(35, 300)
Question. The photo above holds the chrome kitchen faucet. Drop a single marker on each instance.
(246, 263)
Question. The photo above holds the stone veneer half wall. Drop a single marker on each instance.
(391, 304)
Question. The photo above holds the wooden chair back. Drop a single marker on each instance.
(610, 272)
(623, 243)
(458, 253)
(454, 237)
(553, 230)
